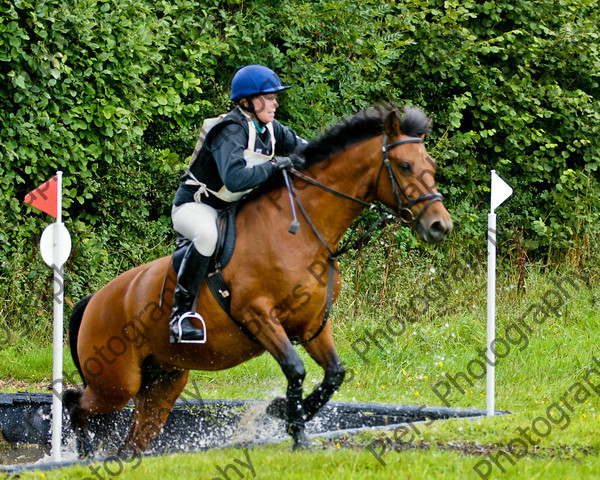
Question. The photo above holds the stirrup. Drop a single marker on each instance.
(176, 331)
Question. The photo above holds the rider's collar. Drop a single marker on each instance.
(258, 127)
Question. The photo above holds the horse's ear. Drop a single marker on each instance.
(391, 126)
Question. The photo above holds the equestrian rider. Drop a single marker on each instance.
(237, 155)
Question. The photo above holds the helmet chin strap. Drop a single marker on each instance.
(249, 107)
(251, 110)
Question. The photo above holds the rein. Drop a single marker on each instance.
(388, 214)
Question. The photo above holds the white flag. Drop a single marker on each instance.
(500, 191)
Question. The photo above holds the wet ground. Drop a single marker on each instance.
(562, 452)
(199, 425)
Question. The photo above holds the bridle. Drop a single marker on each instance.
(405, 213)
(403, 210)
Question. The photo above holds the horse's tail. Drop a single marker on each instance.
(74, 325)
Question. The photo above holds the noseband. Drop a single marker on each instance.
(406, 214)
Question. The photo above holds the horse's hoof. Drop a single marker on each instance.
(278, 408)
(301, 447)
(126, 451)
(71, 398)
(299, 437)
(301, 443)
(84, 449)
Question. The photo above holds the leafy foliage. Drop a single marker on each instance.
(113, 94)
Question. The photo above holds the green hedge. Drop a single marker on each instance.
(113, 93)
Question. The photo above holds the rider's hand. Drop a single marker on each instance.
(286, 163)
(283, 163)
(298, 161)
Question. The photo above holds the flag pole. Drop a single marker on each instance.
(55, 247)
(57, 365)
(491, 315)
(499, 191)
(59, 196)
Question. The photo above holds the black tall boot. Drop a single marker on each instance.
(191, 273)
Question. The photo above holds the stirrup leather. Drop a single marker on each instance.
(177, 331)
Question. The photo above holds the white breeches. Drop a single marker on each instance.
(197, 222)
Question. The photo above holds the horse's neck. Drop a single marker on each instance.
(350, 172)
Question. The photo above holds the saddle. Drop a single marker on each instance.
(222, 256)
(219, 260)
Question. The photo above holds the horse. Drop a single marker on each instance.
(281, 284)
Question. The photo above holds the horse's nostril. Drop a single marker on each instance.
(438, 230)
(437, 227)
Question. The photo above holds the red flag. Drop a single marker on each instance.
(45, 197)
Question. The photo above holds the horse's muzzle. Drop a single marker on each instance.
(435, 229)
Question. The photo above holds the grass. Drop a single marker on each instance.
(540, 379)
(276, 461)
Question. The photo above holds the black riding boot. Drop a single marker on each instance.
(191, 273)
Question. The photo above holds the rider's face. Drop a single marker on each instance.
(265, 106)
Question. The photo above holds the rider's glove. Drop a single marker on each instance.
(283, 163)
(286, 163)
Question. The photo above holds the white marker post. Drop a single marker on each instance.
(55, 246)
(500, 191)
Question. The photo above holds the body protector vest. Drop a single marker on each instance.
(202, 172)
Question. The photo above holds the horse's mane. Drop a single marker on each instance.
(362, 126)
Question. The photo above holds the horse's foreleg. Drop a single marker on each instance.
(293, 368)
(153, 404)
(322, 350)
(277, 343)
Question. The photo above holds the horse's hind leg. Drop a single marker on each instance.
(71, 399)
(82, 404)
(153, 403)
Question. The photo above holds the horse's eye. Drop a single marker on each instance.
(405, 167)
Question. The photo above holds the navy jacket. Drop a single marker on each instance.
(221, 159)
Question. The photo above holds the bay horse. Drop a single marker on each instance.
(281, 284)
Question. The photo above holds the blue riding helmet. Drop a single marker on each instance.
(254, 80)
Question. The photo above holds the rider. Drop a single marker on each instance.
(237, 155)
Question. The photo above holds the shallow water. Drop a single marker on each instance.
(193, 426)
